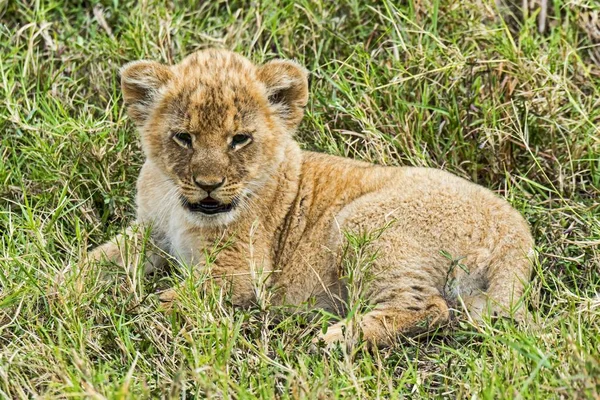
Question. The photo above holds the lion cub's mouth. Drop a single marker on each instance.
(208, 206)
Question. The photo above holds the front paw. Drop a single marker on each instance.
(340, 333)
(167, 299)
(109, 252)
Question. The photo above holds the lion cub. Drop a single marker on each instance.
(222, 165)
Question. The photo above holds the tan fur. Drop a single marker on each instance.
(295, 207)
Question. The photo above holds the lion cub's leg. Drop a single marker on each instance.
(390, 319)
(504, 296)
(126, 249)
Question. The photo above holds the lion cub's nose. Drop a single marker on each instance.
(208, 186)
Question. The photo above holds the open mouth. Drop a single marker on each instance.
(208, 206)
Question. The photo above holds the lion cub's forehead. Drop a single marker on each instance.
(215, 90)
(215, 62)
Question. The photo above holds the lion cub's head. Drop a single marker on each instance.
(215, 124)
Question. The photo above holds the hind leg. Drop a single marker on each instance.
(504, 294)
(388, 320)
(504, 298)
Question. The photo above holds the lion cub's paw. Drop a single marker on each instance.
(337, 334)
(334, 334)
(167, 299)
(107, 252)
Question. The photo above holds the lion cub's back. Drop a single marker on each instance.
(434, 200)
(430, 213)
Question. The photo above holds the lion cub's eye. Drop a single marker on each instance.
(239, 140)
(183, 139)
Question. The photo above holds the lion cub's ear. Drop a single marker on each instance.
(287, 88)
(140, 82)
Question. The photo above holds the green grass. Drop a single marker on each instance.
(438, 83)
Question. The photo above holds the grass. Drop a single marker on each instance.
(432, 82)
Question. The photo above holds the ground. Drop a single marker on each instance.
(440, 83)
